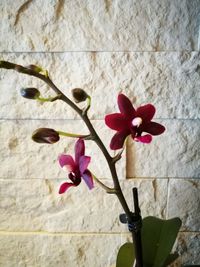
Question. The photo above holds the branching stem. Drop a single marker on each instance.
(83, 114)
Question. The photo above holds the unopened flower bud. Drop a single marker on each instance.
(79, 95)
(45, 135)
(38, 69)
(30, 93)
(34, 68)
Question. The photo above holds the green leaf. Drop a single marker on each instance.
(125, 256)
(158, 237)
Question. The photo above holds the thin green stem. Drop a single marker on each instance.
(88, 105)
(72, 134)
(105, 187)
(49, 99)
(89, 101)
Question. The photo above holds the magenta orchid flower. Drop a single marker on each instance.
(132, 122)
(77, 168)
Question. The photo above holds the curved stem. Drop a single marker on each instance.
(105, 187)
(83, 115)
(50, 99)
(72, 134)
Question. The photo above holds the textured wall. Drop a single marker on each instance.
(145, 49)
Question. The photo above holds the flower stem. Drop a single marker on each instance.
(83, 115)
(72, 134)
(105, 187)
(49, 99)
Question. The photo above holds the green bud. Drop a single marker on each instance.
(35, 68)
(45, 135)
(38, 69)
(79, 95)
(30, 93)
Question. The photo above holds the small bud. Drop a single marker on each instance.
(30, 93)
(38, 69)
(34, 68)
(45, 135)
(79, 95)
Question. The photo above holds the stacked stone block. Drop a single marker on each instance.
(147, 50)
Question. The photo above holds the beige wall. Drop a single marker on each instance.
(145, 49)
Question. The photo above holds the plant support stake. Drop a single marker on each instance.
(135, 228)
(134, 225)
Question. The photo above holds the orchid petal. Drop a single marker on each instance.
(146, 112)
(153, 128)
(87, 177)
(146, 139)
(125, 106)
(118, 139)
(68, 161)
(79, 149)
(116, 121)
(83, 163)
(64, 187)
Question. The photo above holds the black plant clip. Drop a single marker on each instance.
(135, 223)
(134, 226)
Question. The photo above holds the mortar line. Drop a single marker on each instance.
(199, 39)
(163, 178)
(98, 51)
(61, 233)
(43, 233)
(168, 192)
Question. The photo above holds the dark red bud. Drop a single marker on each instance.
(45, 135)
(30, 93)
(79, 95)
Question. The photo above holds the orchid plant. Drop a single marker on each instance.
(153, 238)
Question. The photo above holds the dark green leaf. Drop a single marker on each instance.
(125, 256)
(158, 237)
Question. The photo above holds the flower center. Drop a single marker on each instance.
(137, 121)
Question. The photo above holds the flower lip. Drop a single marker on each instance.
(137, 121)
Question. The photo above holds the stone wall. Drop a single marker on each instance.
(145, 49)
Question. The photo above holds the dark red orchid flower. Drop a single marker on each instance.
(132, 122)
(77, 168)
